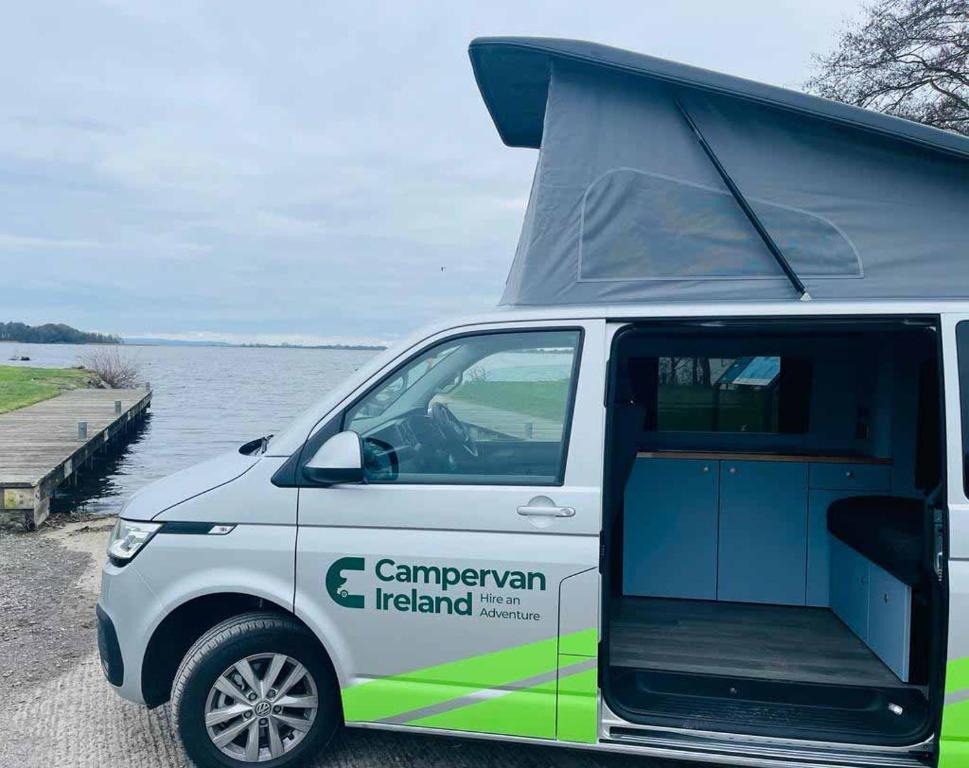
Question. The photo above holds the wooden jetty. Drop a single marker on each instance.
(44, 444)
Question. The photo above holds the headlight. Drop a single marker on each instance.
(127, 539)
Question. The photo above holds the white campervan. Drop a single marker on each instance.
(695, 491)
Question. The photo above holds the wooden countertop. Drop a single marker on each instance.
(739, 456)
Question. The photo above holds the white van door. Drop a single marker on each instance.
(457, 588)
(954, 742)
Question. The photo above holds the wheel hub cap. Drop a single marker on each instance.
(261, 707)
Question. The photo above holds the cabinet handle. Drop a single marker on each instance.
(706, 469)
(733, 470)
(849, 474)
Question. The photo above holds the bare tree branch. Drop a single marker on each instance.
(116, 369)
(908, 58)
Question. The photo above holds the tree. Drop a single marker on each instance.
(908, 58)
(52, 333)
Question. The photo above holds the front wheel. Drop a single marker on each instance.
(255, 689)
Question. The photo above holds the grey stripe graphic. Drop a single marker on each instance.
(490, 693)
(956, 696)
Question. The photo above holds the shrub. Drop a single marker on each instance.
(116, 369)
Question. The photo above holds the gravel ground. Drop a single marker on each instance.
(43, 620)
(60, 713)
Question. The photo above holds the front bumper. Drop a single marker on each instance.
(127, 612)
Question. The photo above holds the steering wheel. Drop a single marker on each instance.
(453, 429)
(380, 460)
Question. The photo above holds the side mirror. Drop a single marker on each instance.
(338, 460)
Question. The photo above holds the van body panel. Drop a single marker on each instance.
(478, 509)
(130, 605)
(579, 633)
(181, 567)
(442, 602)
(167, 492)
(248, 499)
(255, 560)
(437, 641)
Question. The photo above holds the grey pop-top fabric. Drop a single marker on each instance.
(626, 206)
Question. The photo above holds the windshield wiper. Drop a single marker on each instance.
(255, 447)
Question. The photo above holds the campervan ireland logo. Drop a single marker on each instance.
(449, 590)
(335, 581)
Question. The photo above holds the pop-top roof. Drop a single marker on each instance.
(513, 74)
(661, 181)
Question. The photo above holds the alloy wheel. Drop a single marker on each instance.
(261, 707)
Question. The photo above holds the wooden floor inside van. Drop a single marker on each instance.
(770, 642)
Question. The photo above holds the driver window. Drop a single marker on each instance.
(489, 408)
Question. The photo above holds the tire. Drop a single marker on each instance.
(209, 670)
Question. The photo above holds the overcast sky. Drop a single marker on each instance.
(267, 171)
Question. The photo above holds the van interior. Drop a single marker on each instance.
(769, 562)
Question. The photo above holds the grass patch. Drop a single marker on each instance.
(541, 399)
(21, 386)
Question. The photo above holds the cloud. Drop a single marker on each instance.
(9, 242)
(295, 170)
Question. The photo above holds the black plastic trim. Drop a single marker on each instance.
(190, 528)
(758, 707)
(324, 478)
(108, 648)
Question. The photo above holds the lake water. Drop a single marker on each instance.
(205, 401)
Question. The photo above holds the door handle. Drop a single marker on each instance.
(537, 510)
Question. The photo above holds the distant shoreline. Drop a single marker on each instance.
(140, 342)
(177, 343)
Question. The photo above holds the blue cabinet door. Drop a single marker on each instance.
(763, 527)
(670, 529)
(818, 557)
(818, 566)
(849, 586)
(889, 619)
(852, 477)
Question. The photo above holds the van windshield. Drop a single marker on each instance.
(390, 392)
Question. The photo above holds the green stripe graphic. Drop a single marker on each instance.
(582, 643)
(527, 711)
(385, 697)
(954, 743)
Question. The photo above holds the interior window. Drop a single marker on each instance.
(489, 408)
(726, 394)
